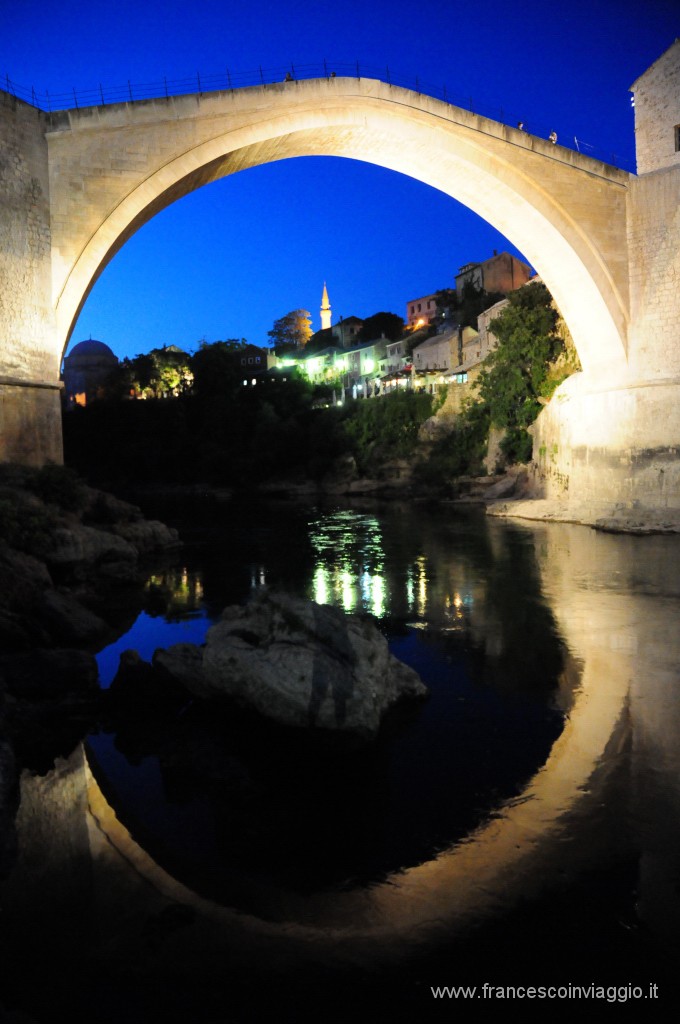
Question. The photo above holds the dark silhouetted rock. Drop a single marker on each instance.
(182, 663)
(69, 622)
(50, 674)
(137, 684)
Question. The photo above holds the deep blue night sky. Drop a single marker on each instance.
(232, 257)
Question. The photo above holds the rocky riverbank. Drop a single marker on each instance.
(69, 554)
(609, 518)
(63, 545)
(515, 495)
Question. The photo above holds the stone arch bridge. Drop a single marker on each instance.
(76, 184)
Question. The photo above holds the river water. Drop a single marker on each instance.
(520, 828)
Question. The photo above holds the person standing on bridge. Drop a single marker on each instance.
(553, 138)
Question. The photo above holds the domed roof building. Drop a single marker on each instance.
(87, 369)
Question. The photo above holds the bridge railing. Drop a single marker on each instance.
(230, 79)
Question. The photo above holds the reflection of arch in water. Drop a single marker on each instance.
(492, 869)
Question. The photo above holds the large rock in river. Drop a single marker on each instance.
(299, 663)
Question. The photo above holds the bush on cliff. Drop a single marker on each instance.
(460, 452)
(378, 430)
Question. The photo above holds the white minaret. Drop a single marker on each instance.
(325, 309)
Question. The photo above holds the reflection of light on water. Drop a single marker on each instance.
(181, 589)
(416, 586)
(182, 584)
(350, 572)
(320, 585)
(347, 591)
(378, 596)
(421, 603)
(350, 562)
(258, 576)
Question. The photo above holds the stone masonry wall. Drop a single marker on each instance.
(30, 427)
(654, 252)
(657, 112)
(26, 318)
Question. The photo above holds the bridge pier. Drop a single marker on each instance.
(605, 445)
(30, 413)
(30, 422)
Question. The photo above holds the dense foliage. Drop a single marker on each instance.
(517, 374)
(226, 434)
(460, 452)
(464, 308)
(162, 373)
(379, 430)
(222, 434)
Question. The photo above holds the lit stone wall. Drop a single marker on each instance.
(30, 428)
(25, 249)
(654, 248)
(600, 446)
(657, 112)
(618, 439)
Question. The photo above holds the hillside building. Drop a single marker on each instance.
(501, 273)
(421, 311)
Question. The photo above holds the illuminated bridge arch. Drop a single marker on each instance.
(111, 169)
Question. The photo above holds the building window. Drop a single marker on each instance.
(677, 138)
(419, 307)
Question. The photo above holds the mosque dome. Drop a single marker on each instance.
(87, 368)
(91, 350)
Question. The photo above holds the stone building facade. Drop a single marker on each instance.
(421, 311)
(502, 273)
(657, 113)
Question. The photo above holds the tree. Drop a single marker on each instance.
(446, 303)
(515, 375)
(161, 373)
(465, 307)
(388, 324)
(291, 331)
(215, 367)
